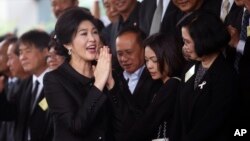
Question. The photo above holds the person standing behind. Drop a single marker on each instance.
(59, 6)
(128, 16)
(54, 58)
(75, 92)
(208, 86)
(30, 113)
(14, 85)
(134, 88)
(5, 76)
(113, 16)
(241, 43)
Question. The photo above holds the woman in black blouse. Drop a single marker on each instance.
(164, 62)
(75, 91)
(208, 84)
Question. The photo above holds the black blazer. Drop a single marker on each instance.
(244, 79)
(78, 108)
(160, 110)
(203, 114)
(127, 108)
(37, 119)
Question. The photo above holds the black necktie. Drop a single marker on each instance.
(245, 23)
(34, 94)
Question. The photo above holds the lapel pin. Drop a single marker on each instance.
(202, 84)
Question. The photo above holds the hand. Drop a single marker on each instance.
(1, 83)
(235, 36)
(103, 68)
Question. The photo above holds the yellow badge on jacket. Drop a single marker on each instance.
(43, 104)
(248, 31)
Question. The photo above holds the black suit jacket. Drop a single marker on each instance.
(244, 79)
(204, 113)
(37, 120)
(169, 20)
(78, 108)
(127, 108)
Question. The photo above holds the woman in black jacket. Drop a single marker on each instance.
(75, 91)
(208, 84)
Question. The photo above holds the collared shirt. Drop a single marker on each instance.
(40, 80)
(231, 2)
(165, 6)
(133, 78)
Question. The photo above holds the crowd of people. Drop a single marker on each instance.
(161, 70)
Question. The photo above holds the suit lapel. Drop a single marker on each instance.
(36, 102)
(141, 81)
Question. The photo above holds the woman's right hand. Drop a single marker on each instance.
(103, 68)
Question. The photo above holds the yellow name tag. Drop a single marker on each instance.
(248, 31)
(43, 104)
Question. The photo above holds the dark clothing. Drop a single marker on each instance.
(7, 128)
(160, 110)
(105, 34)
(78, 108)
(203, 114)
(168, 24)
(133, 20)
(38, 120)
(244, 79)
(127, 108)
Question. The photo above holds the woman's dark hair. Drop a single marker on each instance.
(167, 51)
(208, 32)
(67, 25)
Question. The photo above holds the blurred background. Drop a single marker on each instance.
(18, 16)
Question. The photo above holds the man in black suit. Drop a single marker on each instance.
(134, 87)
(30, 111)
(4, 81)
(128, 16)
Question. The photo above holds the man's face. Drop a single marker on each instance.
(129, 52)
(32, 59)
(123, 6)
(110, 10)
(13, 61)
(187, 5)
(58, 6)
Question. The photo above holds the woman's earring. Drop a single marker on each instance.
(69, 51)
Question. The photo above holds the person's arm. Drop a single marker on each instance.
(95, 10)
(235, 41)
